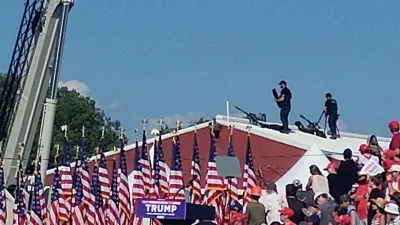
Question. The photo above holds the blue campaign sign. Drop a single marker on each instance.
(161, 209)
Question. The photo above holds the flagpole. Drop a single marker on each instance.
(73, 195)
(144, 123)
(191, 185)
(248, 128)
(227, 113)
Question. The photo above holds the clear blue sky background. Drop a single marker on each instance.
(186, 58)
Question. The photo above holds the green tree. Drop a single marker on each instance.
(75, 111)
(165, 129)
(200, 121)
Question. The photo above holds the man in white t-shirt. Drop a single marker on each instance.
(272, 202)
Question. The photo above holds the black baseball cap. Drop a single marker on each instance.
(282, 82)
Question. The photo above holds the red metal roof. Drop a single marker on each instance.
(274, 158)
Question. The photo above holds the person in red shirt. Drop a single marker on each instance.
(389, 159)
(361, 199)
(286, 213)
(342, 220)
(395, 142)
(237, 217)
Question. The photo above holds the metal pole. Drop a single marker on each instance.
(227, 113)
(49, 109)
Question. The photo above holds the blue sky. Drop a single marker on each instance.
(184, 59)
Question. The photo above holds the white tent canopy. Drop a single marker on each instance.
(300, 170)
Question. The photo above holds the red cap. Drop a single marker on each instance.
(363, 148)
(331, 166)
(394, 125)
(390, 153)
(287, 211)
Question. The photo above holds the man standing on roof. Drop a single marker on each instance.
(395, 142)
(331, 111)
(285, 105)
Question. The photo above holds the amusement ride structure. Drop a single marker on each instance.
(30, 90)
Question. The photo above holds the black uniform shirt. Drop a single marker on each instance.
(288, 96)
(331, 107)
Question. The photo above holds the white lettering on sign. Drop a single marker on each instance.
(159, 208)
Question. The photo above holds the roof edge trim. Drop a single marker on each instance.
(292, 127)
(150, 140)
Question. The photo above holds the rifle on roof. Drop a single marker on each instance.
(250, 116)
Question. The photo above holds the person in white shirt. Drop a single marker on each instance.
(392, 179)
(272, 202)
(366, 155)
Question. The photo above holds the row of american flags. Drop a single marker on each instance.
(83, 197)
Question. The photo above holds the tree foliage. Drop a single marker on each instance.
(76, 111)
(166, 129)
(200, 121)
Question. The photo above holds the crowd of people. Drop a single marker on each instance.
(348, 195)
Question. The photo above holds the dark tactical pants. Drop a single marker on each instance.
(332, 122)
(285, 119)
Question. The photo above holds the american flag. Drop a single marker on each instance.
(176, 177)
(162, 179)
(155, 190)
(113, 206)
(78, 214)
(145, 164)
(91, 204)
(99, 201)
(138, 190)
(155, 174)
(3, 210)
(19, 211)
(36, 212)
(55, 195)
(42, 200)
(30, 189)
(232, 184)
(103, 174)
(123, 186)
(249, 177)
(195, 172)
(214, 183)
(85, 175)
(66, 184)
